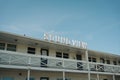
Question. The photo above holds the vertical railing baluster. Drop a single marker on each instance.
(29, 60)
(10, 57)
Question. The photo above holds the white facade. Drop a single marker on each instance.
(26, 58)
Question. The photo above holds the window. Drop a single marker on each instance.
(89, 58)
(31, 78)
(114, 62)
(65, 55)
(31, 50)
(44, 52)
(102, 60)
(119, 62)
(8, 78)
(44, 78)
(93, 79)
(59, 54)
(105, 79)
(93, 59)
(62, 79)
(108, 61)
(78, 57)
(11, 47)
(2, 46)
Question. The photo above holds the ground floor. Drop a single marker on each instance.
(20, 74)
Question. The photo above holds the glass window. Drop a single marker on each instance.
(31, 50)
(44, 52)
(93, 59)
(114, 62)
(44, 78)
(59, 54)
(89, 58)
(119, 62)
(8, 78)
(62, 79)
(65, 55)
(31, 78)
(11, 47)
(78, 57)
(108, 61)
(105, 79)
(102, 60)
(2, 46)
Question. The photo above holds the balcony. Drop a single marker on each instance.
(100, 67)
(25, 61)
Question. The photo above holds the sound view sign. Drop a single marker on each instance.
(66, 41)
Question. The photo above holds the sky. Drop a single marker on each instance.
(96, 22)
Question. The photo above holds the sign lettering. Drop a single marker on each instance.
(66, 41)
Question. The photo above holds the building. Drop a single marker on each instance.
(26, 58)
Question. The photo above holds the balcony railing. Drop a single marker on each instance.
(100, 67)
(20, 59)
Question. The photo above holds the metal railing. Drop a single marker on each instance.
(22, 59)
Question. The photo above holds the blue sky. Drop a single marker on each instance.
(96, 22)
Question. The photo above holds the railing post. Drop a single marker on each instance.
(29, 61)
(9, 59)
(88, 67)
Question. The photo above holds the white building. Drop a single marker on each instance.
(52, 58)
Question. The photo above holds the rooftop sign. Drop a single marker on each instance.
(66, 41)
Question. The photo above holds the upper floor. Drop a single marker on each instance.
(50, 52)
(75, 54)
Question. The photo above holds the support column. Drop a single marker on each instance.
(113, 77)
(63, 75)
(86, 53)
(63, 69)
(28, 74)
(98, 78)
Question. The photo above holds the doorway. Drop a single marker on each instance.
(44, 61)
(79, 64)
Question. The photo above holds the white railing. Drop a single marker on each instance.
(100, 67)
(22, 59)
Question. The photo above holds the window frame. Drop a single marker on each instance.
(78, 56)
(115, 62)
(47, 51)
(108, 61)
(66, 55)
(62, 55)
(89, 59)
(59, 54)
(33, 51)
(2, 47)
(102, 60)
(11, 47)
(31, 78)
(94, 59)
(44, 78)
